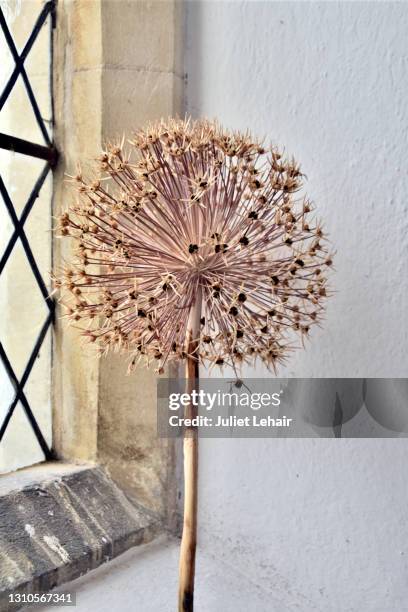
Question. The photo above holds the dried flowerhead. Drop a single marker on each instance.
(185, 205)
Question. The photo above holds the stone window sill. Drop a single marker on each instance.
(58, 521)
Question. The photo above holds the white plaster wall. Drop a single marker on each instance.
(319, 524)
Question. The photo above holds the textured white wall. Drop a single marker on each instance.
(319, 524)
(329, 82)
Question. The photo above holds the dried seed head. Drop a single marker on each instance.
(191, 205)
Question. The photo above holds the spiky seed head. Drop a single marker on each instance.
(187, 204)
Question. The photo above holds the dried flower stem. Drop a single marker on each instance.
(190, 452)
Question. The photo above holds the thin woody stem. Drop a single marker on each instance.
(190, 451)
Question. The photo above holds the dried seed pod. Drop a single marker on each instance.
(191, 205)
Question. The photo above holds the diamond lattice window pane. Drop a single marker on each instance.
(23, 309)
(7, 63)
(38, 66)
(21, 16)
(6, 393)
(19, 446)
(38, 390)
(6, 225)
(19, 174)
(38, 230)
(17, 107)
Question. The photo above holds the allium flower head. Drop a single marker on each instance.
(188, 208)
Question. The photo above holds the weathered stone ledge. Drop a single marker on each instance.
(60, 525)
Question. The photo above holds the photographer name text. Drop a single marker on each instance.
(230, 421)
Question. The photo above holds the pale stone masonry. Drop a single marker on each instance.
(118, 64)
